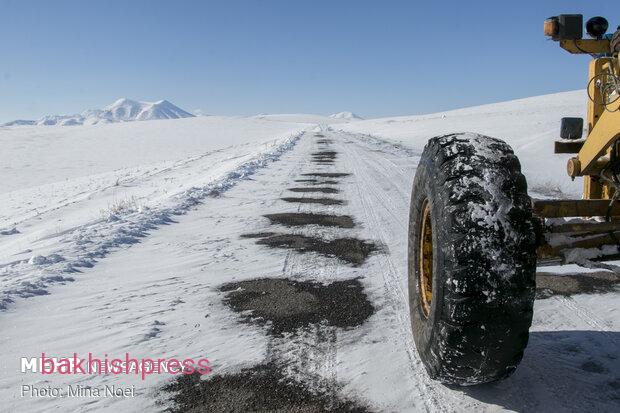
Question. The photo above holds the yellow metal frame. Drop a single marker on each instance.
(592, 46)
(603, 130)
(595, 153)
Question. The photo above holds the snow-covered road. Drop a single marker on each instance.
(163, 297)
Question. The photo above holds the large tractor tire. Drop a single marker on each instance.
(472, 259)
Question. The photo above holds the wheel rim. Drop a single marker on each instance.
(426, 259)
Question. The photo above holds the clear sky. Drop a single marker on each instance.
(374, 58)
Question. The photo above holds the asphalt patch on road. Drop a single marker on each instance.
(323, 160)
(548, 284)
(285, 305)
(323, 189)
(262, 388)
(327, 174)
(320, 201)
(317, 182)
(351, 250)
(324, 156)
(291, 219)
(258, 235)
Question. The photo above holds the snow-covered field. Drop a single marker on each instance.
(529, 125)
(70, 195)
(117, 238)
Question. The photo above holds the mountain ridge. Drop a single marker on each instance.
(121, 110)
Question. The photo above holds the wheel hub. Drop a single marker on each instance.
(426, 259)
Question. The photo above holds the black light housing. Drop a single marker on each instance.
(597, 27)
(571, 128)
(571, 26)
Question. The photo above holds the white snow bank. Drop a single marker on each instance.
(60, 254)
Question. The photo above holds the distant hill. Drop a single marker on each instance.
(346, 115)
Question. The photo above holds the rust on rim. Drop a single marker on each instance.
(426, 259)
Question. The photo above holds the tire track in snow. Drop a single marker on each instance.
(309, 356)
(586, 316)
(362, 168)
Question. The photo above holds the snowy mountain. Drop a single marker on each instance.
(62, 120)
(123, 110)
(126, 110)
(346, 115)
(20, 122)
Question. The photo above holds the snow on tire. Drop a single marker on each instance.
(472, 259)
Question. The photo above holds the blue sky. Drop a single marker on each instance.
(375, 58)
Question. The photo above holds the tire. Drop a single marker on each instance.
(472, 327)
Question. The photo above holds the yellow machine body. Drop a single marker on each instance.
(596, 158)
(603, 120)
